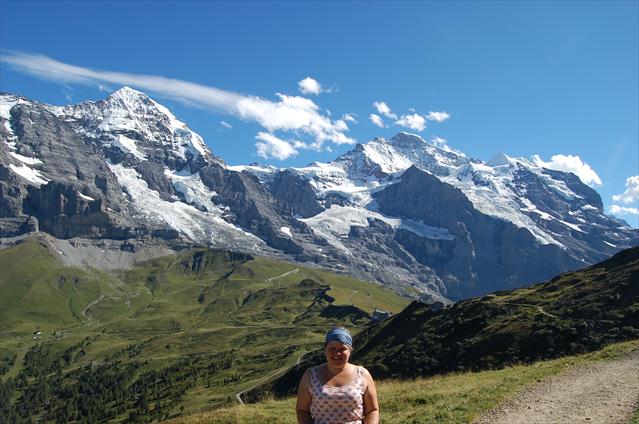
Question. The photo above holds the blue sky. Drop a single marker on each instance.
(559, 80)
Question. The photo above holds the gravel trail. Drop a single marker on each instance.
(603, 392)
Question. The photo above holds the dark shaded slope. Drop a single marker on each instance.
(576, 312)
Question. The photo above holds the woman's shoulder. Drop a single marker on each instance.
(364, 372)
(306, 379)
(311, 371)
(315, 369)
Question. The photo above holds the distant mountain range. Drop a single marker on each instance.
(422, 219)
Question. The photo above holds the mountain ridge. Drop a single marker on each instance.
(125, 167)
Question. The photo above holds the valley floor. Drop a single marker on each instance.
(599, 387)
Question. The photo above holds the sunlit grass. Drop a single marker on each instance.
(170, 308)
(454, 398)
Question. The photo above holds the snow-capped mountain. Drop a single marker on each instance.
(420, 218)
(113, 168)
(553, 206)
(481, 226)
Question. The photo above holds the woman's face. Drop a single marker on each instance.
(337, 353)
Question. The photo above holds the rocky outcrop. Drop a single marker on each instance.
(297, 193)
(378, 255)
(487, 254)
(153, 173)
(82, 196)
(252, 207)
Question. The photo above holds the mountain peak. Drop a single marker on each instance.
(500, 159)
(404, 137)
(127, 91)
(128, 96)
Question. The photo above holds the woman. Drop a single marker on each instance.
(337, 392)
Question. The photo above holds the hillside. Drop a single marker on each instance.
(574, 313)
(172, 334)
(454, 398)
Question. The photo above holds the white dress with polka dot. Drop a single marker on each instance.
(337, 405)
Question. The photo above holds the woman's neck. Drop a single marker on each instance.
(334, 370)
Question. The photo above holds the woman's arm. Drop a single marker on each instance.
(303, 408)
(371, 407)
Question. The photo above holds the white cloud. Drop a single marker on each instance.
(270, 146)
(384, 110)
(443, 144)
(439, 142)
(226, 125)
(377, 120)
(293, 113)
(310, 86)
(623, 210)
(631, 195)
(437, 116)
(350, 117)
(290, 113)
(415, 121)
(570, 163)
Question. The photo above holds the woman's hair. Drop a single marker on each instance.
(339, 334)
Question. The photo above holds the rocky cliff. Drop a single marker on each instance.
(418, 218)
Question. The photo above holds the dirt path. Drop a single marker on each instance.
(269, 280)
(539, 308)
(603, 392)
(91, 305)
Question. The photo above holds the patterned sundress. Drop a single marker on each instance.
(337, 405)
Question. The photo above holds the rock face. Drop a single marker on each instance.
(255, 209)
(486, 254)
(297, 192)
(72, 196)
(421, 219)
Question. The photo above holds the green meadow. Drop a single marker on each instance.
(179, 337)
(171, 336)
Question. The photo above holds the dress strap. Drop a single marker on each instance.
(360, 379)
(314, 378)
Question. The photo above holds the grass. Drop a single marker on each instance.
(197, 303)
(447, 399)
(258, 316)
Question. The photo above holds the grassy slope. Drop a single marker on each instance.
(38, 293)
(454, 398)
(574, 313)
(196, 304)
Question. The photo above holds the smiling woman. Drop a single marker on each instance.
(337, 392)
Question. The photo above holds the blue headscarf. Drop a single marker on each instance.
(339, 334)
